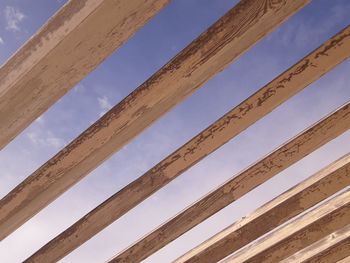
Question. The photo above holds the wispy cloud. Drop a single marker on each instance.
(41, 135)
(100, 91)
(1, 41)
(47, 139)
(13, 18)
(308, 32)
(79, 88)
(104, 104)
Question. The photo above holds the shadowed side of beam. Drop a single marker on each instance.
(298, 234)
(298, 199)
(283, 157)
(345, 260)
(330, 249)
(224, 41)
(266, 99)
(67, 48)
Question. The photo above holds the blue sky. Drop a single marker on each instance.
(163, 37)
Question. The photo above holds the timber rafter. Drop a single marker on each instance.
(309, 227)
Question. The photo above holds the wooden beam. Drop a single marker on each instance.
(332, 248)
(224, 41)
(67, 48)
(298, 234)
(345, 260)
(278, 211)
(286, 155)
(262, 102)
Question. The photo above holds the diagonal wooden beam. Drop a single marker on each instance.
(283, 157)
(345, 260)
(298, 199)
(332, 248)
(262, 102)
(67, 48)
(298, 234)
(224, 41)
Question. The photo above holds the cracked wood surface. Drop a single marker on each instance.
(330, 249)
(67, 48)
(223, 42)
(293, 80)
(298, 199)
(298, 234)
(286, 155)
(290, 82)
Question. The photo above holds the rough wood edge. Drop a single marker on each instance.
(293, 202)
(299, 233)
(67, 48)
(271, 95)
(345, 260)
(286, 155)
(226, 40)
(332, 248)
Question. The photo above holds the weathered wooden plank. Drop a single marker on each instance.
(286, 155)
(332, 248)
(345, 260)
(259, 104)
(67, 48)
(226, 40)
(273, 214)
(298, 234)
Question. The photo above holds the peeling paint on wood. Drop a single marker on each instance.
(235, 121)
(67, 48)
(332, 248)
(289, 153)
(298, 234)
(226, 40)
(298, 199)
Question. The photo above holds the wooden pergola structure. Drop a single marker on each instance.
(301, 225)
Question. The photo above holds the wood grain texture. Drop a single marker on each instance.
(67, 48)
(298, 234)
(298, 199)
(286, 155)
(259, 104)
(226, 40)
(332, 248)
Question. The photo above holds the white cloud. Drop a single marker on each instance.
(104, 104)
(1, 41)
(46, 139)
(79, 87)
(303, 33)
(55, 142)
(33, 137)
(22, 157)
(41, 136)
(13, 17)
